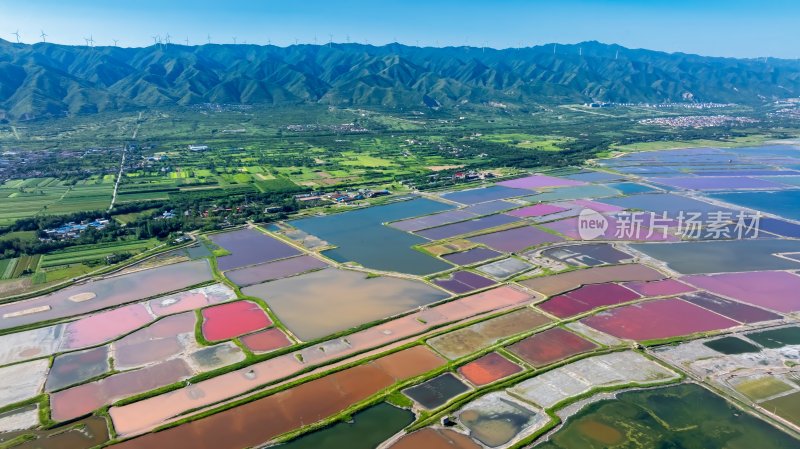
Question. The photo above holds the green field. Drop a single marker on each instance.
(7, 267)
(25, 264)
(88, 253)
(756, 139)
(28, 197)
(529, 141)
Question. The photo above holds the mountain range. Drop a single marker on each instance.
(47, 79)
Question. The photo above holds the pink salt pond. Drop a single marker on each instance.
(105, 326)
(586, 298)
(266, 341)
(232, 320)
(776, 290)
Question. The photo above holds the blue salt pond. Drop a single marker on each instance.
(361, 236)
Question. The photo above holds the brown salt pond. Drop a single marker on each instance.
(324, 302)
(431, 438)
(108, 292)
(489, 368)
(560, 283)
(550, 346)
(413, 324)
(78, 401)
(461, 342)
(149, 413)
(264, 419)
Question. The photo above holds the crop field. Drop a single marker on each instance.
(88, 253)
(529, 141)
(37, 196)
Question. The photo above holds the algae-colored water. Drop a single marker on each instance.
(367, 430)
(684, 416)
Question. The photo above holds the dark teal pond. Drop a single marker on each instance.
(718, 256)
(732, 345)
(368, 429)
(631, 188)
(361, 236)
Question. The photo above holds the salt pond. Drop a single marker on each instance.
(704, 419)
(259, 421)
(783, 203)
(249, 247)
(602, 371)
(274, 270)
(484, 194)
(22, 381)
(367, 429)
(517, 239)
(76, 367)
(108, 292)
(360, 236)
(496, 419)
(324, 302)
(717, 256)
(467, 340)
(435, 392)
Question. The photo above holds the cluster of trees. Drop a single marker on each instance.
(16, 246)
(203, 210)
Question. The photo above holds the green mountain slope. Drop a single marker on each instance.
(48, 79)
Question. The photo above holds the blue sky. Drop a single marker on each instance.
(739, 28)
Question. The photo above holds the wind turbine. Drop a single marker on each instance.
(330, 40)
(166, 39)
(115, 41)
(43, 36)
(16, 33)
(209, 38)
(234, 40)
(347, 38)
(187, 41)
(156, 38)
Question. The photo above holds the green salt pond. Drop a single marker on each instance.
(367, 430)
(684, 416)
